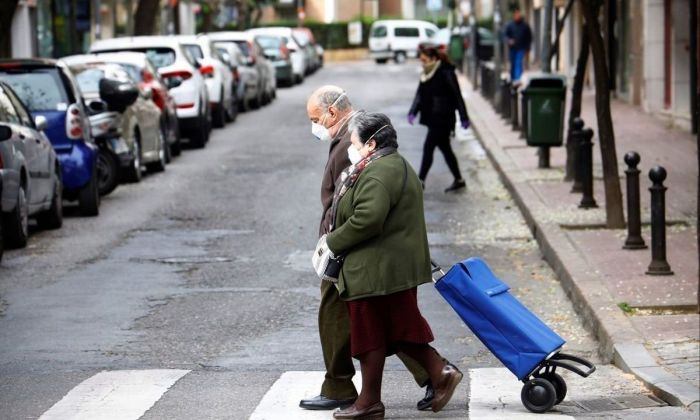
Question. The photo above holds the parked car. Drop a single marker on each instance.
(314, 50)
(126, 120)
(151, 84)
(48, 89)
(297, 53)
(254, 67)
(398, 39)
(181, 73)
(30, 172)
(217, 76)
(277, 53)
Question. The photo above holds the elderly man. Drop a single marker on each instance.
(330, 111)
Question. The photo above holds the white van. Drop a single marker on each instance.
(398, 39)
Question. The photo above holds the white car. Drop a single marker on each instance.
(253, 70)
(295, 46)
(398, 39)
(181, 73)
(217, 76)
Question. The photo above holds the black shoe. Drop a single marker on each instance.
(427, 402)
(457, 185)
(322, 403)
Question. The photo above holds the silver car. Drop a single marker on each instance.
(31, 176)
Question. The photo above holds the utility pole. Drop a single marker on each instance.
(546, 66)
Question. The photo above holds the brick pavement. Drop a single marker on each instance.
(657, 337)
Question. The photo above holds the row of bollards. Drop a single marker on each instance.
(582, 147)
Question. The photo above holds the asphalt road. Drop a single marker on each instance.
(206, 268)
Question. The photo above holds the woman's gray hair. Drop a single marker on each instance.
(374, 125)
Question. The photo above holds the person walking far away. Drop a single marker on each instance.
(437, 99)
(330, 110)
(378, 226)
(519, 37)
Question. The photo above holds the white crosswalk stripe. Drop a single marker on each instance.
(494, 393)
(114, 395)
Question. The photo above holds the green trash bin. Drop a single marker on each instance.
(455, 49)
(545, 98)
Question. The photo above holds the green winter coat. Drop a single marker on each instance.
(385, 243)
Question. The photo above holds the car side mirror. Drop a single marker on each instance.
(118, 95)
(197, 64)
(5, 132)
(97, 107)
(41, 122)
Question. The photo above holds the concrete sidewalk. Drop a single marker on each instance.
(656, 337)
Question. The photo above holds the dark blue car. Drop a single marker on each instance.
(48, 89)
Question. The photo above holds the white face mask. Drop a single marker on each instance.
(319, 130)
(354, 155)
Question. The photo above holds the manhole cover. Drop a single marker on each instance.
(623, 402)
(193, 260)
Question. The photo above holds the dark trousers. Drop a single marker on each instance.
(334, 328)
(438, 136)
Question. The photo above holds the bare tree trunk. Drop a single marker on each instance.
(697, 87)
(145, 17)
(576, 97)
(7, 11)
(615, 218)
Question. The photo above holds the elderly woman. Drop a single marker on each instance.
(380, 231)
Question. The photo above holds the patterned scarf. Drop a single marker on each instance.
(349, 176)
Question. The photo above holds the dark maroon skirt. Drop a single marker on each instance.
(383, 321)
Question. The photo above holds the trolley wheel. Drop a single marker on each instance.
(559, 385)
(538, 395)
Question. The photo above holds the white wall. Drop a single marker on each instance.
(680, 57)
(653, 91)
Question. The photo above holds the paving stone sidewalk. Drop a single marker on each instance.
(647, 325)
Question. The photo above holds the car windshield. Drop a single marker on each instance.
(268, 42)
(40, 89)
(160, 57)
(243, 45)
(378, 32)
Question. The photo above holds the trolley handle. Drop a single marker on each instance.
(559, 361)
(436, 269)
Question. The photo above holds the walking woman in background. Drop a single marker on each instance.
(437, 99)
(378, 211)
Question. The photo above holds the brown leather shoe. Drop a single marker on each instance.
(373, 412)
(449, 379)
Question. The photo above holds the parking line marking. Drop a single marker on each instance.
(494, 393)
(282, 399)
(114, 395)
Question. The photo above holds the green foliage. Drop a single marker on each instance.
(626, 308)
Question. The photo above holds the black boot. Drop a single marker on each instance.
(458, 184)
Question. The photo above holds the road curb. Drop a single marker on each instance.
(620, 342)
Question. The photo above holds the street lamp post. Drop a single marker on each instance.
(546, 66)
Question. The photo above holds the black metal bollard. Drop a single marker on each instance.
(634, 221)
(658, 265)
(523, 114)
(505, 98)
(575, 147)
(514, 107)
(586, 162)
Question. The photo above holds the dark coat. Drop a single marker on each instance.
(337, 161)
(520, 33)
(381, 230)
(438, 98)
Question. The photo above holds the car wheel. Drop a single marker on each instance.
(299, 79)
(200, 134)
(107, 172)
(53, 217)
(176, 144)
(134, 173)
(400, 57)
(219, 113)
(159, 165)
(16, 222)
(89, 197)
(232, 111)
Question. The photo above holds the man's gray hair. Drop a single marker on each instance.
(329, 97)
(374, 125)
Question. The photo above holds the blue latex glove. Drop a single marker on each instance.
(411, 118)
(465, 124)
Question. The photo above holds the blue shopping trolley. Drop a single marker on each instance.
(520, 340)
